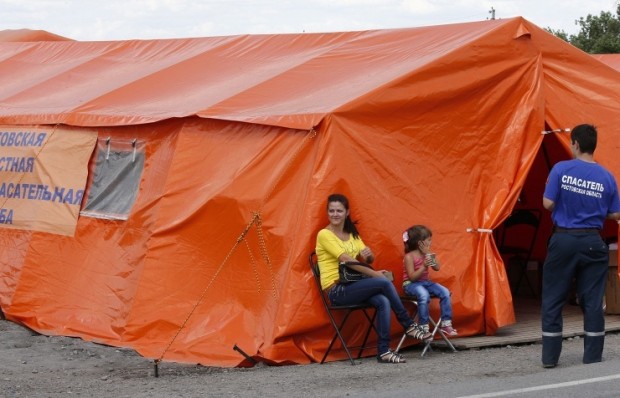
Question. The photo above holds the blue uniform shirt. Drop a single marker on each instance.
(583, 193)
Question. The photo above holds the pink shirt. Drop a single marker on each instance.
(418, 263)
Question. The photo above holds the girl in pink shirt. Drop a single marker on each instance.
(416, 282)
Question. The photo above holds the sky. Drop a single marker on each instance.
(88, 20)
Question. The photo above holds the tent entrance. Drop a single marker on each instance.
(524, 268)
(526, 278)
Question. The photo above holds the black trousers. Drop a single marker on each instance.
(584, 256)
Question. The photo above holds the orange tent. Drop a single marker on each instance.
(612, 60)
(25, 35)
(243, 138)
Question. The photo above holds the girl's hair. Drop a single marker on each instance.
(349, 225)
(414, 235)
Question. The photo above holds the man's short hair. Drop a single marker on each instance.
(585, 135)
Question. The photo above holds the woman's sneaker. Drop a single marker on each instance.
(418, 332)
(447, 329)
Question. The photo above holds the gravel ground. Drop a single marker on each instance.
(33, 365)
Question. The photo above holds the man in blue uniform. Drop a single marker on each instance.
(580, 194)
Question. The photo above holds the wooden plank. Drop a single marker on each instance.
(528, 328)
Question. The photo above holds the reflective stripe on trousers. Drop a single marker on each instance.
(584, 258)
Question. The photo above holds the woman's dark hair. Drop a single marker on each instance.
(414, 235)
(585, 135)
(349, 225)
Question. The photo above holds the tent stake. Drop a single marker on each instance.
(155, 367)
(240, 351)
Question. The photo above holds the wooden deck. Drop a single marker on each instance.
(527, 328)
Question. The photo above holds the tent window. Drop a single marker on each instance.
(116, 179)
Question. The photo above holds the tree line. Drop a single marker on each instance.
(598, 34)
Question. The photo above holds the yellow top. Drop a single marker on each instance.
(328, 249)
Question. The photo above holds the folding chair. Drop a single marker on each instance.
(516, 243)
(366, 309)
(436, 329)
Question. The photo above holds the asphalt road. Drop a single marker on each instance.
(592, 381)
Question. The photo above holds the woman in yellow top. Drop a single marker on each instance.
(340, 242)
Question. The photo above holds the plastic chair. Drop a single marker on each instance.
(516, 242)
(436, 329)
(366, 309)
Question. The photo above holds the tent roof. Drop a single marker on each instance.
(282, 80)
(28, 35)
(612, 60)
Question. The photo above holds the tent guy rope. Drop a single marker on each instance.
(255, 217)
(257, 221)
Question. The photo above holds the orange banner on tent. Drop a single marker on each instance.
(43, 174)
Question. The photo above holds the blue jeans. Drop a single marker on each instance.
(382, 295)
(423, 291)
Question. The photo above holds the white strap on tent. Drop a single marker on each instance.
(555, 131)
(481, 230)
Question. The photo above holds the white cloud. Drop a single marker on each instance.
(421, 7)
